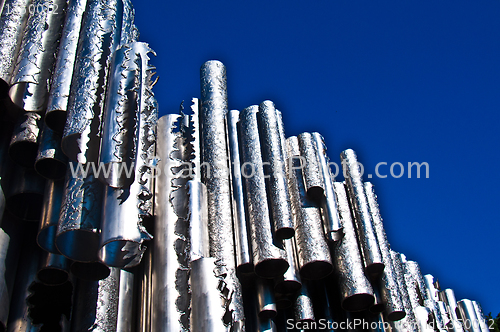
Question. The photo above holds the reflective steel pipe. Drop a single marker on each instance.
(273, 155)
(215, 176)
(480, 317)
(24, 143)
(374, 264)
(468, 316)
(448, 297)
(409, 320)
(268, 259)
(303, 306)
(265, 298)
(290, 282)
(53, 269)
(52, 200)
(355, 289)
(24, 193)
(50, 161)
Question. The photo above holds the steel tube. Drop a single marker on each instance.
(215, 177)
(448, 297)
(24, 143)
(53, 269)
(468, 316)
(374, 264)
(52, 200)
(391, 294)
(24, 193)
(432, 302)
(290, 282)
(332, 223)
(244, 262)
(37, 55)
(57, 105)
(312, 172)
(50, 161)
(268, 259)
(313, 252)
(198, 220)
(272, 147)
(303, 306)
(355, 289)
(145, 291)
(265, 298)
(99, 37)
(126, 314)
(409, 320)
(480, 317)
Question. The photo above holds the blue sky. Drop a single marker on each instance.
(397, 81)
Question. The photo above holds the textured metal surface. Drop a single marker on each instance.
(12, 23)
(37, 54)
(24, 194)
(303, 306)
(480, 317)
(50, 161)
(243, 253)
(170, 266)
(129, 33)
(312, 172)
(24, 143)
(374, 264)
(290, 282)
(409, 320)
(80, 217)
(332, 223)
(432, 302)
(355, 289)
(391, 295)
(468, 316)
(53, 269)
(273, 156)
(312, 250)
(52, 200)
(265, 298)
(268, 259)
(99, 37)
(57, 104)
(215, 176)
(448, 297)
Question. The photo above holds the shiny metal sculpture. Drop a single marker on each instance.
(268, 259)
(314, 255)
(448, 297)
(374, 264)
(355, 289)
(37, 54)
(467, 314)
(216, 178)
(409, 321)
(290, 282)
(50, 161)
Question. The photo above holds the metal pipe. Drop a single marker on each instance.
(391, 294)
(467, 315)
(448, 297)
(57, 104)
(37, 55)
(244, 262)
(273, 155)
(126, 314)
(99, 37)
(332, 223)
(355, 289)
(92, 271)
(52, 200)
(480, 317)
(303, 306)
(24, 143)
(268, 259)
(290, 282)
(374, 264)
(53, 269)
(129, 33)
(24, 193)
(432, 302)
(145, 291)
(265, 298)
(50, 161)
(4, 291)
(312, 172)
(313, 252)
(215, 177)
(409, 321)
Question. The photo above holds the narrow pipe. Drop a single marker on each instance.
(25, 138)
(448, 297)
(126, 314)
(409, 320)
(268, 259)
(468, 316)
(303, 306)
(53, 269)
(50, 161)
(24, 193)
(313, 176)
(272, 147)
(265, 298)
(290, 282)
(52, 200)
(374, 264)
(480, 317)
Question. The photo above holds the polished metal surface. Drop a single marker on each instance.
(374, 263)
(480, 317)
(332, 223)
(314, 255)
(467, 314)
(24, 143)
(448, 297)
(50, 161)
(52, 200)
(53, 269)
(144, 308)
(37, 54)
(409, 320)
(215, 176)
(389, 288)
(125, 317)
(265, 298)
(198, 220)
(268, 259)
(57, 104)
(312, 172)
(433, 303)
(290, 282)
(99, 37)
(355, 289)
(303, 306)
(243, 253)
(273, 155)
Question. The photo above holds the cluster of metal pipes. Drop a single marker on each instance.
(245, 230)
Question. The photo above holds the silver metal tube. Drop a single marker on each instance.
(432, 302)
(50, 161)
(313, 252)
(303, 306)
(52, 200)
(265, 298)
(215, 176)
(268, 259)
(79, 224)
(448, 297)
(355, 289)
(129, 33)
(171, 300)
(391, 295)
(468, 316)
(480, 317)
(57, 105)
(198, 220)
(24, 143)
(53, 269)
(145, 292)
(273, 154)
(332, 223)
(99, 37)
(312, 173)
(37, 54)
(290, 282)
(243, 252)
(409, 320)
(374, 264)
(24, 193)
(125, 317)
(12, 23)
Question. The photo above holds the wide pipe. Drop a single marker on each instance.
(374, 263)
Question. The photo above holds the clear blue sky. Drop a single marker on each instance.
(397, 81)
